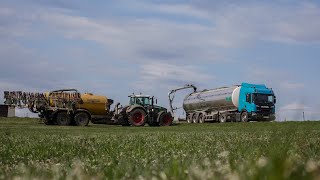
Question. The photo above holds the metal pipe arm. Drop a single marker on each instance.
(171, 95)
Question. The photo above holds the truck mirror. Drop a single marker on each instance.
(275, 100)
(156, 101)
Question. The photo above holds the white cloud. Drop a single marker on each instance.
(4, 11)
(162, 71)
(292, 85)
(180, 9)
(240, 24)
(158, 78)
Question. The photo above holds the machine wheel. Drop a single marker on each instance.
(47, 121)
(222, 118)
(244, 116)
(137, 117)
(201, 118)
(195, 118)
(63, 118)
(165, 119)
(81, 119)
(189, 118)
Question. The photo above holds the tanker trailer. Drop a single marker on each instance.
(245, 102)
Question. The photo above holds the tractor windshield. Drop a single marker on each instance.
(140, 100)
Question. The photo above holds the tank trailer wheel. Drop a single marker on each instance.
(165, 119)
(63, 118)
(194, 118)
(244, 116)
(222, 118)
(81, 119)
(201, 118)
(137, 117)
(189, 118)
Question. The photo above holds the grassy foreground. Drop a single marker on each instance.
(32, 150)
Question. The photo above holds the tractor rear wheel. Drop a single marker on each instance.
(63, 118)
(165, 119)
(81, 119)
(137, 117)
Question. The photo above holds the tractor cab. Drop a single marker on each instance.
(143, 100)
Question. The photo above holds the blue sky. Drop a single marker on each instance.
(115, 48)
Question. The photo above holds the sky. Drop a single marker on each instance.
(119, 47)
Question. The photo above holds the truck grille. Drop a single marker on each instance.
(264, 110)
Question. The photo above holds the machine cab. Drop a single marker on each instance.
(257, 98)
(142, 100)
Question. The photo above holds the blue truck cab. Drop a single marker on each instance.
(256, 102)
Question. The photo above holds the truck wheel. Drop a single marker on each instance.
(201, 118)
(244, 116)
(189, 118)
(165, 119)
(222, 118)
(137, 117)
(195, 118)
(81, 119)
(63, 118)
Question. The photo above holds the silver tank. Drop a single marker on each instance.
(221, 99)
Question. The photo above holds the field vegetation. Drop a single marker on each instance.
(31, 150)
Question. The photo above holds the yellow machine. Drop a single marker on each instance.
(68, 106)
(63, 107)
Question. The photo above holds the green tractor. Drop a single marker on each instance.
(142, 110)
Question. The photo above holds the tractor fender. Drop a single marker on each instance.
(159, 115)
(130, 108)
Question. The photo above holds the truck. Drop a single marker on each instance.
(70, 107)
(244, 103)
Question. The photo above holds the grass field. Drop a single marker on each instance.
(31, 150)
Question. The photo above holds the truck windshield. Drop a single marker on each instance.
(263, 98)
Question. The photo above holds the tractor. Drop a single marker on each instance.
(142, 110)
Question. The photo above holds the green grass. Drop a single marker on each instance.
(29, 149)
